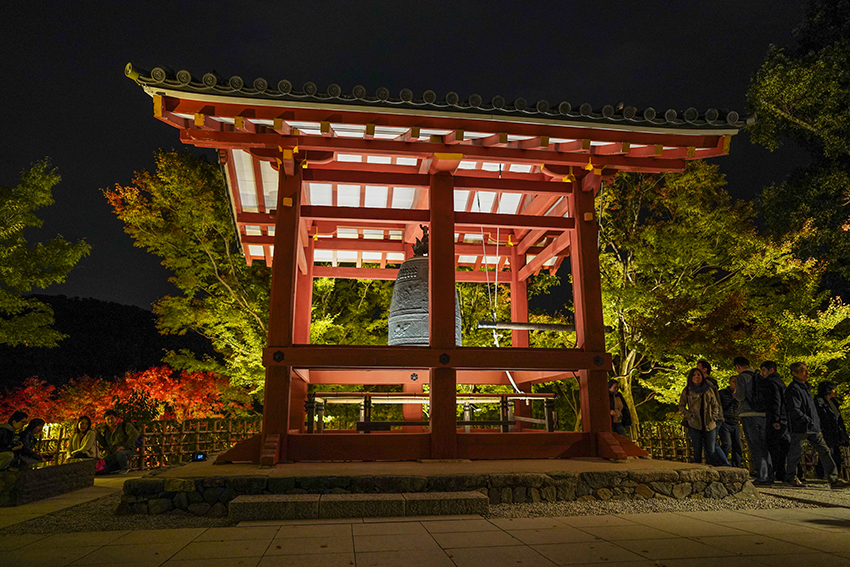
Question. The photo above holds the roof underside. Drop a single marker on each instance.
(366, 166)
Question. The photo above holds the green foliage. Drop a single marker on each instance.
(180, 213)
(27, 321)
(350, 311)
(685, 275)
(802, 93)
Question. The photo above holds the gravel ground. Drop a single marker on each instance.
(639, 507)
(97, 515)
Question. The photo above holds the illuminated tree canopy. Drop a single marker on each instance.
(802, 94)
(24, 320)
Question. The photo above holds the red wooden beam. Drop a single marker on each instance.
(388, 274)
(489, 220)
(462, 181)
(370, 214)
(330, 357)
(534, 235)
(555, 248)
(382, 117)
(202, 138)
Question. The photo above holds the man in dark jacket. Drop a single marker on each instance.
(10, 442)
(117, 439)
(778, 438)
(804, 425)
(730, 431)
(831, 425)
(620, 416)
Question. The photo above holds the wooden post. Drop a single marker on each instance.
(519, 339)
(441, 306)
(301, 334)
(587, 296)
(281, 318)
(412, 412)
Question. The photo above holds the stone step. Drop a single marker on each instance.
(313, 506)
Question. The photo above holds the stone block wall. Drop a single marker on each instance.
(29, 485)
(210, 496)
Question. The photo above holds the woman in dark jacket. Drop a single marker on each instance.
(620, 416)
(29, 438)
(832, 425)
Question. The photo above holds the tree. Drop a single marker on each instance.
(180, 213)
(25, 320)
(802, 94)
(686, 275)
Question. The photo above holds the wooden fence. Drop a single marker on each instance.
(164, 442)
(667, 440)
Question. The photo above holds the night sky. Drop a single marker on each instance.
(65, 95)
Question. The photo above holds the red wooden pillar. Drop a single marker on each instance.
(441, 303)
(412, 412)
(303, 311)
(519, 314)
(587, 296)
(281, 318)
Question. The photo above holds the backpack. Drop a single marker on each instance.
(759, 391)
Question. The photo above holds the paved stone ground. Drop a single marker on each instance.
(799, 537)
(807, 537)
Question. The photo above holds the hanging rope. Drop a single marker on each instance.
(493, 302)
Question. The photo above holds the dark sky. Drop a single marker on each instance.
(65, 95)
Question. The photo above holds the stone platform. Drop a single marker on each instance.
(207, 489)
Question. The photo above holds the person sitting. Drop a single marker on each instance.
(620, 416)
(82, 444)
(10, 441)
(27, 454)
(117, 438)
(831, 425)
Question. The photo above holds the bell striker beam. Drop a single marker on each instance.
(519, 314)
(441, 301)
(587, 298)
(281, 318)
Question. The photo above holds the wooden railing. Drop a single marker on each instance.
(164, 442)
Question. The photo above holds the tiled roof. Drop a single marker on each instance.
(212, 83)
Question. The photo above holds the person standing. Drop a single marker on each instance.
(832, 426)
(118, 440)
(753, 421)
(620, 416)
(804, 425)
(778, 438)
(730, 431)
(701, 410)
(719, 458)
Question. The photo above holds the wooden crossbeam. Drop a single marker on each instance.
(466, 358)
(558, 246)
(675, 137)
(211, 139)
(533, 236)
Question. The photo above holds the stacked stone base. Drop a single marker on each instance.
(29, 485)
(211, 496)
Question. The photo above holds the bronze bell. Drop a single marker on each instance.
(408, 320)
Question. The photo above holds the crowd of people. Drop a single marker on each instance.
(112, 443)
(776, 420)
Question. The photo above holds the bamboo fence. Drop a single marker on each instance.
(165, 442)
